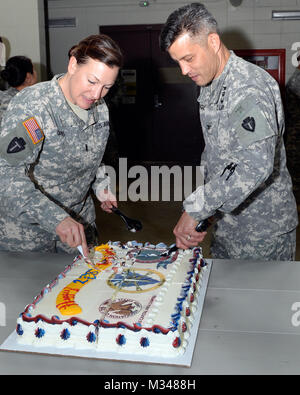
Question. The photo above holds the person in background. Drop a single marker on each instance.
(52, 140)
(19, 73)
(246, 182)
(292, 107)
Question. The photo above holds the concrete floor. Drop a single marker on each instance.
(158, 219)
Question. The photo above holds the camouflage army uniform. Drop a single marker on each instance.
(49, 159)
(247, 184)
(293, 130)
(5, 98)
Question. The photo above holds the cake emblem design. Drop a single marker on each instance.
(136, 280)
(120, 308)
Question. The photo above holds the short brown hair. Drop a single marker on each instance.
(98, 47)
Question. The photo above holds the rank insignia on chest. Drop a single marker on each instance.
(249, 124)
(33, 129)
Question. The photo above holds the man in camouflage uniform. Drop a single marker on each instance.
(247, 185)
(293, 128)
(50, 156)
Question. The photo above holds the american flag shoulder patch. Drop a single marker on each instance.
(33, 129)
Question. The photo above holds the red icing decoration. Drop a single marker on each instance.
(176, 343)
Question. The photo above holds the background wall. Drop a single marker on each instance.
(22, 29)
(247, 26)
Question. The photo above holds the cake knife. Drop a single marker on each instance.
(86, 258)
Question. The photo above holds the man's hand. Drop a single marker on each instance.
(72, 233)
(186, 235)
(107, 199)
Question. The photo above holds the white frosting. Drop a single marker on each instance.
(147, 294)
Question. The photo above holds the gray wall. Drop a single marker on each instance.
(247, 26)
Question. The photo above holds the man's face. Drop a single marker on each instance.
(199, 61)
(89, 82)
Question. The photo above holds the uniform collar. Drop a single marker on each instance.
(214, 88)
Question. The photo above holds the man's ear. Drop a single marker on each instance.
(72, 66)
(214, 41)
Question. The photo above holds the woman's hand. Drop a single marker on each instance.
(72, 233)
(107, 199)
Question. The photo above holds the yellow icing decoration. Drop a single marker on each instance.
(65, 301)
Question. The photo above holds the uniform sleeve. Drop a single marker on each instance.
(21, 141)
(244, 169)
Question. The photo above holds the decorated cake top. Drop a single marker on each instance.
(126, 285)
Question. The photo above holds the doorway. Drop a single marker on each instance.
(155, 114)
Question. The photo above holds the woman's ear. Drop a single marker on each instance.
(30, 79)
(72, 66)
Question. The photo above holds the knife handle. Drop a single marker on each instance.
(202, 225)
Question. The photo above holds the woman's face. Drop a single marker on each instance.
(88, 82)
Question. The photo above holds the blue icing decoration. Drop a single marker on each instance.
(65, 334)
(91, 337)
(156, 330)
(121, 340)
(74, 322)
(96, 322)
(175, 316)
(19, 330)
(161, 245)
(39, 332)
(144, 342)
(164, 264)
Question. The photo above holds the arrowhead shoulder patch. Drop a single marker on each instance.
(17, 144)
(249, 124)
(21, 143)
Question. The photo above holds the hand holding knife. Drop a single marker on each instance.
(202, 226)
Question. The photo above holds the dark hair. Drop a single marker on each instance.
(16, 69)
(98, 47)
(193, 19)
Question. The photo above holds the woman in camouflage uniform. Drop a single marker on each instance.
(19, 73)
(53, 138)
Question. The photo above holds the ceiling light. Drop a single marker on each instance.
(291, 15)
